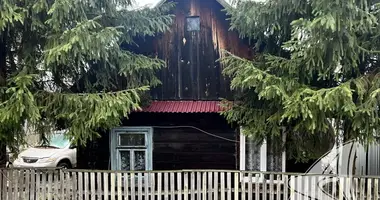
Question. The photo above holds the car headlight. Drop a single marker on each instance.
(46, 160)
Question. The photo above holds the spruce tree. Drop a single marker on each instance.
(64, 64)
(315, 72)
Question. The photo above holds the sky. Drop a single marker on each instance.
(140, 3)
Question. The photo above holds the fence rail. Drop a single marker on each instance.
(59, 184)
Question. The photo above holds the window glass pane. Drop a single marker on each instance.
(274, 157)
(125, 160)
(132, 139)
(193, 23)
(252, 155)
(139, 160)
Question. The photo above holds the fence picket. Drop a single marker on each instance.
(30, 185)
(139, 186)
(257, 186)
(216, 186)
(92, 186)
(99, 185)
(21, 177)
(229, 188)
(75, 185)
(222, 186)
(348, 185)
(204, 185)
(265, 188)
(153, 187)
(250, 186)
(14, 186)
(68, 194)
(2, 177)
(369, 188)
(166, 186)
(126, 185)
(192, 185)
(199, 186)
(313, 187)
(38, 185)
(292, 188)
(4, 180)
(271, 187)
(112, 189)
(376, 189)
(242, 185)
(286, 186)
(209, 187)
(146, 186)
(362, 182)
(49, 185)
(57, 184)
(86, 186)
(341, 188)
(306, 187)
(159, 184)
(179, 185)
(80, 185)
(278, 187)
(333, 190)
(105, 185)
(236, 186)
(186, 186)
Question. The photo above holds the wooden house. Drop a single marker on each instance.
(182, 127)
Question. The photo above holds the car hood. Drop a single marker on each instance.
(40, 152)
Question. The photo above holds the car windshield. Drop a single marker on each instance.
(57, 141)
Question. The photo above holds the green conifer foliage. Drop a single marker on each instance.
(63, 61)
(316, 71)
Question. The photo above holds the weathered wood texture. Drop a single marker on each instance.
(192, 71)
(32, 184)
(175, 144)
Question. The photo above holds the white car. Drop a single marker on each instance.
(59, 152)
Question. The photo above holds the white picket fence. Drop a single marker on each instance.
(57, 184)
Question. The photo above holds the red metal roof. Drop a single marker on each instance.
(183, 107)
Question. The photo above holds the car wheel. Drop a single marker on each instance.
(64, 165)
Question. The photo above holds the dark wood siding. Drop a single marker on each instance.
(192, 71)
(188, 148)
(179, 147)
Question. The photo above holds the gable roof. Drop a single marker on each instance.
(224, 3)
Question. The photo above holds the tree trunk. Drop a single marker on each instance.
(3, 77)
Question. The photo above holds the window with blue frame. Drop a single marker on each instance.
(131, 148)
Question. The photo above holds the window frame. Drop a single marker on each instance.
(119, 145)
(263, 157)
(193, 17)
(116, 148)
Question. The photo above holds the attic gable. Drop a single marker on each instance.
(224, 3)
